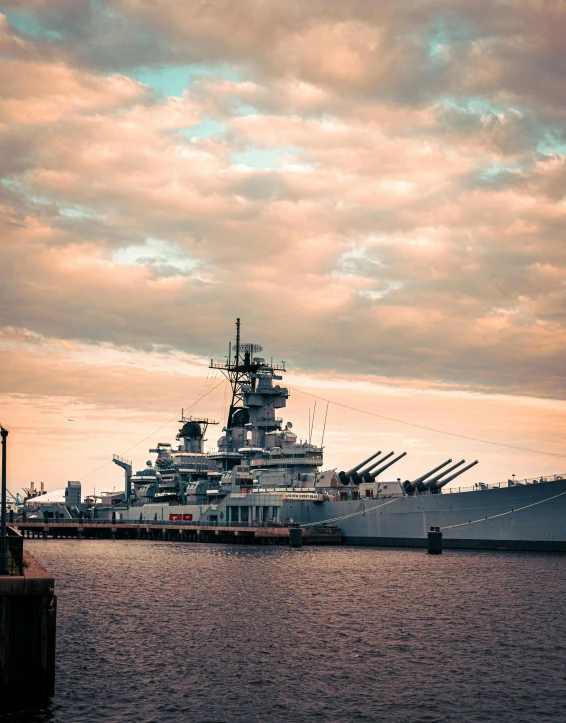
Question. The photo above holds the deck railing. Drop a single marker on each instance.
(157, 523)
(509, 483)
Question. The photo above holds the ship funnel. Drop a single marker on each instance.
(437, 487)
(377, 472)
(410, 487)
(345, 476)
(431, 481)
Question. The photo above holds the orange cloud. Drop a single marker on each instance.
(377, 189)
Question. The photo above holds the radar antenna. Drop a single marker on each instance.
(201, 422)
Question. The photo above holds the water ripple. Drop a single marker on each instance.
(156, 631)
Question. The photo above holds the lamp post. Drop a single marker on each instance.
(3, 535)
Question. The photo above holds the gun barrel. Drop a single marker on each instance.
(422, 478)
(377, 472)
(445, 481)
(373, 464)
(359, 466)
(410, 486)
(353, 475)
(433, 480)
(359, 477)
(365, 475)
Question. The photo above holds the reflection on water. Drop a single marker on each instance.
(155, 631)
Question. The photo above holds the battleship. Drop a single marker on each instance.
(260, 473)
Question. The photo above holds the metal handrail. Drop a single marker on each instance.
(122, 459)
(514, 483)
(156, 523)
(12, 549)
(314, 528)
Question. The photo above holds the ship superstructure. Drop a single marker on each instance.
(254, 437)
(261, 473)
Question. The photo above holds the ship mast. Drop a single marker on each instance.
(239, 369)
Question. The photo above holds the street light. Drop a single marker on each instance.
(3, 535)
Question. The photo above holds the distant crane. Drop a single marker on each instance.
(17, 498)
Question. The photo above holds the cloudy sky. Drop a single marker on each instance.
(376, 188)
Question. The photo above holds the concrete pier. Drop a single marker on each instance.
(28, 609)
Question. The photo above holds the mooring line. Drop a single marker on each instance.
(429, 429)
(502, 514)
(352, 514)
(447, 527)
(189, 408)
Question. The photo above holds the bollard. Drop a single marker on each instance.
(295, 537)
(435, 541)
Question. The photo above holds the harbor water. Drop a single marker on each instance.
(158, 631)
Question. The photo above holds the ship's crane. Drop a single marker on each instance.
(17, 498)
(126, 465)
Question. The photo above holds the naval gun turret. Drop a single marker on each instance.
(372, 476)
(410, 486)
(435, 487)
(346, 477)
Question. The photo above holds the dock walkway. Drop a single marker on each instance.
(178, 532)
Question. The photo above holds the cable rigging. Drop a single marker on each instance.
(202, 396)
(429, 429)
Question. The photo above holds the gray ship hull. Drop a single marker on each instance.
(261, 474)
(524, 517)
(529, 517)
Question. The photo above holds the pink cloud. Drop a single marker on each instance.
(369, 210)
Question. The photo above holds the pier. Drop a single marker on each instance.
(28, 609)
(233, 533)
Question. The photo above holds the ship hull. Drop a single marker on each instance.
(462, 544)
(527, 517)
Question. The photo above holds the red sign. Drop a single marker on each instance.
(175, 518)
(187, 518)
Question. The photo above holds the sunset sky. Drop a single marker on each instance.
(378, 189)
